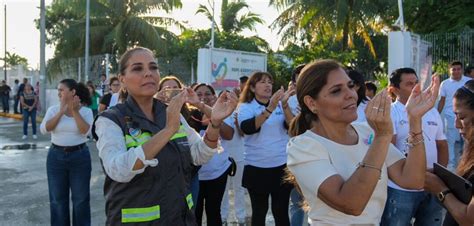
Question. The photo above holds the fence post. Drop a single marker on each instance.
(107, 65)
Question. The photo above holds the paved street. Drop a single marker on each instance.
(24, 187)
(23, 182)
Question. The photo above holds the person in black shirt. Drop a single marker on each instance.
(5, 96)
(458, 212)
(105, 101)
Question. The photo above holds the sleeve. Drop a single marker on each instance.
(49, 114)
(230, 120)
(246, 119)
(88, 116)
(200, 152)
(306, 156)
(248, 126)
(393, 155)
(440, 133)
(118, 162)
(442, 89)
(393, 115)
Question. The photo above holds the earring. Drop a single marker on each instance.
(315, 111)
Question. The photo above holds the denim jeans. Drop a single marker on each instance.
(402, 206)
(454, 142)
(296, 212)
(5, 103)
(69, 171)
(26, 116)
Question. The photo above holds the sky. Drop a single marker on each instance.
(24, 39)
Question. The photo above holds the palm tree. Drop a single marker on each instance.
(343, 20)
(13, 59)
(115, 25)
(231, 18)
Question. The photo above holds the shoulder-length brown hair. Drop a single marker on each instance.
(465, 95)
(168, 78)
(247, 94)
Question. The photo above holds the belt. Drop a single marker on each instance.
(69, 148)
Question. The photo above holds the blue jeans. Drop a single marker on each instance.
(454, 142)
(26, 116)
(402, 206)
(296, 212)
(69, 171)
(5, 103)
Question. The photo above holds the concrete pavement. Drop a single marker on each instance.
(23, 182)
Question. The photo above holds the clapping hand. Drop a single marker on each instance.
(276, 97)
(224, 106)
(290, 92)
(75, 104)
(421, 102)
(173, 111)
(377, 113)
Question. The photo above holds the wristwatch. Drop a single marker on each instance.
(442, 195)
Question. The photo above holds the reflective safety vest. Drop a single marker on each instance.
(160, 195)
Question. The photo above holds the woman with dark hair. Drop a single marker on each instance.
(94, 99)
(342, 168)
(458, 212)
(148, 151)
(110, 99)
(69, 162)
(213, 174)
(362, 100)
(29, 102)
(263, 118)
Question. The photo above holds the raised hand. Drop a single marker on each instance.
(75, 104)
(160, 95)
(173, 111)
(377, 113)
(192, 97)
(421, 102)
(224, 106)
(290, 92)
(276, 97)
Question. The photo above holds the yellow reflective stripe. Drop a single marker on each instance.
(189, 200)
(141, 214)
(180, 134)
(135, 142)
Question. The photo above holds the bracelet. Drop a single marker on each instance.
(412, 134)
(266, 109)
(365, 165)
(207, 138)
(214, 126)
(413, 143)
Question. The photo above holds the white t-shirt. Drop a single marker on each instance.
(235, 146)
(216, 166)
(66, 132)
(114, 99)
(361, 111)
(432, 126)
(294, 105)
(447, 89)
(267, 148)
(313, 159)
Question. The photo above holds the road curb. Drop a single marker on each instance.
(19, 116)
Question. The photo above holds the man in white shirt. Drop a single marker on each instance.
(445, 106)
(402, 205)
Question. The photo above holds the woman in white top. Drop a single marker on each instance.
(342, 168)
(69, 162)
(264, 122)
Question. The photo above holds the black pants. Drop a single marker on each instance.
(210, 195)
(280, 201)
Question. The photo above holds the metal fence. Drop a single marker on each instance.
(448, 47)
(108, 64)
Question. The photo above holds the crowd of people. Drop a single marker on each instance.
(330, 146)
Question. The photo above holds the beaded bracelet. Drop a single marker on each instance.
(207, 138)
(413, 143)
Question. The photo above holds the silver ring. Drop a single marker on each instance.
(375, 108)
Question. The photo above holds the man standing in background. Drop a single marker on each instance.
(5, 96)
(16, 98)
(445, 106)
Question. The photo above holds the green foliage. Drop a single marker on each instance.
(13, 59)
(232, 18)
(381, 80)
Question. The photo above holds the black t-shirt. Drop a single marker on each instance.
(449, 220)
(106, 99)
